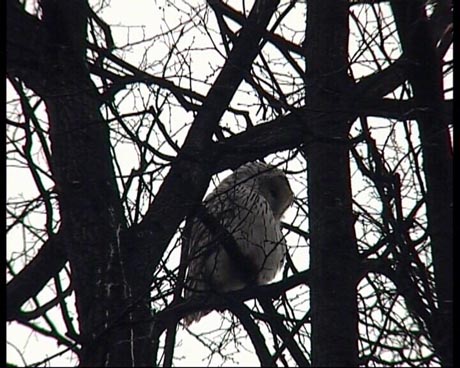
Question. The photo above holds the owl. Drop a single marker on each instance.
(249, 205)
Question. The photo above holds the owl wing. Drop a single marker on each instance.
(202, 245)
(247, 216)
(258, 236)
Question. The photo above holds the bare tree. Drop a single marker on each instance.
(351, 98)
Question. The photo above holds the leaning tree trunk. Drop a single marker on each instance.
(333, 247)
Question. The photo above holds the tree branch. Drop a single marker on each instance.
(189, 170)
(257, 338)
(50, 259)
(224, 301)
(25, 40)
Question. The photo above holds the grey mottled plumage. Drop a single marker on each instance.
(249, 205)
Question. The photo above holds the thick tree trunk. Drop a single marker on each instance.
(333, 253)
(425, 77)
(92, 218)
(91, 214)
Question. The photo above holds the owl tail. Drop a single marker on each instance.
(195, 317)
(195, 288)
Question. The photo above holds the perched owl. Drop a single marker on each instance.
(248, 205)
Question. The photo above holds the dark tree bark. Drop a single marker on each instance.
(90, 209)
(333, 253)
(91, 214)
(425, 76)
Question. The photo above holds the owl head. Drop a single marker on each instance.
(266, 180)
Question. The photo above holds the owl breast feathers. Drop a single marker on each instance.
(246, 207)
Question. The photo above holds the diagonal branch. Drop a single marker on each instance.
(257, 338)
(281, 330)
(172, 202)
(175, 312)
(50, 259)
